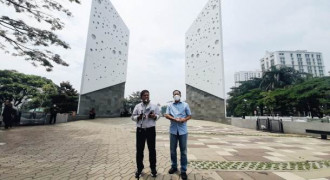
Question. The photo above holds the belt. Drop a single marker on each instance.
(145, 127)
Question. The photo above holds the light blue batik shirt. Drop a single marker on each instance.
(178, 110)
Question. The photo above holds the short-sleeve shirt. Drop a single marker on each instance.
(178, 110)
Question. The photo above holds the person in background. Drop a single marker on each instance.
(7, 114)
(92, 113)
(53, 114)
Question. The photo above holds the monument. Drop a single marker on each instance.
(105, 65)
(205, 88)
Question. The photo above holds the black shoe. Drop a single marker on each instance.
(138, 174)
(172, 171)
(153, 173)
(184, 176)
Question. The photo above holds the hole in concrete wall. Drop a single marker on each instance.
(93, 36)
(100, 1)
(217, 42)
(114, 26)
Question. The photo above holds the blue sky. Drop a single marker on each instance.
(157, 30)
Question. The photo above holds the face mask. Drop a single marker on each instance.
(177, 98)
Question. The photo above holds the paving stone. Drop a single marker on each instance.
(105, 149)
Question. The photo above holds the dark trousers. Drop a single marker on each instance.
(92, 116)
(143, 135)
(52, 116)
(7, 123)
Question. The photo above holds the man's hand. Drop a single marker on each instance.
(152, 116)
(181, 120)
(176, 119)
(140, 117)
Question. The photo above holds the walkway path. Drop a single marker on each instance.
(105, 149)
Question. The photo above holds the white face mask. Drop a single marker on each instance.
(176, 98)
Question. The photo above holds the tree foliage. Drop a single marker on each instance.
(280, 77)
(22, 39)
(312, 96)
(130, 102)
(283, 92)
(18, 87)
(66, 99)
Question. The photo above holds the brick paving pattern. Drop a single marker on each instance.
(105, 149)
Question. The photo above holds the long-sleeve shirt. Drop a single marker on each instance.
(146, 122)
(7, 113)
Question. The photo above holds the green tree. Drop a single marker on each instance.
(18, 87)
(246, 103)
(235, 101)
(312, 96)
(277, 102)
(163, 109)
(132, 101)
(66, 99)
(280, 78)
(42, 99)
(67, 89)
(269, 94)
(22, 39)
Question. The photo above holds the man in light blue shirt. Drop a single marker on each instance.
(178, 113)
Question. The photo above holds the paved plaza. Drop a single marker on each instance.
(105, 149)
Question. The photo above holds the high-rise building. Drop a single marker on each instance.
(303, 61)
(205, 66)
(105, 65)
(245, 76)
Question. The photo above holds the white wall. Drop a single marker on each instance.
(107, 48)
(289, 127)
(204, 54)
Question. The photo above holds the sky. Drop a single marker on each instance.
(157, 39)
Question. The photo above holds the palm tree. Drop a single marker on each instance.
(281, 77)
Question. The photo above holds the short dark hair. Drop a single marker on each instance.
(175, 91)
(143, 92)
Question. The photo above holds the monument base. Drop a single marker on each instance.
(108, 102)
(205, 106)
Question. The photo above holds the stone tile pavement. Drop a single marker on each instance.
(105, 149)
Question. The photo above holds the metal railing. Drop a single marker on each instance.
(32, 118)
(270, 125)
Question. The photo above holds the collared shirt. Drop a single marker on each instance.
(146, 122)
(178, 110)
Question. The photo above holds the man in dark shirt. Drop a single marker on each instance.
(7, 114)
(53, 114)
